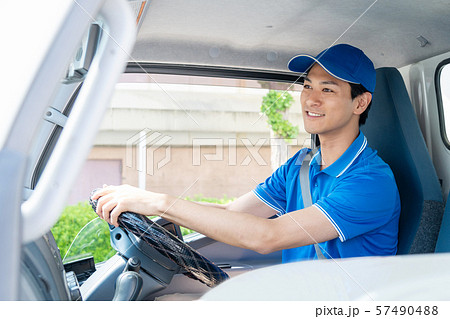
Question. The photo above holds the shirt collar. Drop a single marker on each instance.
(341, 165)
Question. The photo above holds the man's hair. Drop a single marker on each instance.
(357, 90)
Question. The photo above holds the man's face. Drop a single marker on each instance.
(327, 106)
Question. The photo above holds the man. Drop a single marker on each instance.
(355, 199)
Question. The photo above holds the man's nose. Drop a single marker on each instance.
(313, 98)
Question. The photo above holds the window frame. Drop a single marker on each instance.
(440, 103)
(209, 71)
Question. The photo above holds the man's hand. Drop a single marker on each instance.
(114, 200)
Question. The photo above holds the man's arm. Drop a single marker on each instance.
(243, 223)
(247, 203)
(246, 230)
(251, 204)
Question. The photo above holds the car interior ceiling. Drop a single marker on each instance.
(305, 27)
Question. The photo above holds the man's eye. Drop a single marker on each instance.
(328, 90)
(306, 86)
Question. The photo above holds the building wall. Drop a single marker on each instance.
(231, 174)
(94, 174)
(197, 140)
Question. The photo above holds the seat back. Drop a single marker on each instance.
(393, 130)
(443, 242)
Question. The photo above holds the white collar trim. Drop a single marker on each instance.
(363, 146)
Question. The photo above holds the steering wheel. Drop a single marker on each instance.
(197, 266)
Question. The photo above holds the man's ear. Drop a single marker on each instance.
(362, 102)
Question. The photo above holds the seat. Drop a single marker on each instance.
(443, 242)
(393, 130)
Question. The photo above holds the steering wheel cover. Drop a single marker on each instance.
(197, 266)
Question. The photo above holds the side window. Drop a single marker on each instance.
(443, 93)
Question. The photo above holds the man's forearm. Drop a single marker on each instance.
(216, 205)
(234, 228)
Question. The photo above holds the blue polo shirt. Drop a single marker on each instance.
(357, 193)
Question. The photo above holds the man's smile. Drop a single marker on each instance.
(309, 113)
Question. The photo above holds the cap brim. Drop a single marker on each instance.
(302, 63)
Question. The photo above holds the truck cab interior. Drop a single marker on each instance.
(66, 76)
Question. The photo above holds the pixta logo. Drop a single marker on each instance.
(141, 147)
(231, 145)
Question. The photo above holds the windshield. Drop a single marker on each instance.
(180, 135)
(80, 233)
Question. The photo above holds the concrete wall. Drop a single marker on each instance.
(182, 176)
(207, 140)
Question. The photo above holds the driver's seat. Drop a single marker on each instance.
(393, 130)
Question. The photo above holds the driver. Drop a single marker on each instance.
(356, 203)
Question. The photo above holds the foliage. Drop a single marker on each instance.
(274, 105)
(93, 240)
(93, 233)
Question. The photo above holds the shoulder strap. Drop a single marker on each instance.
(306, 192)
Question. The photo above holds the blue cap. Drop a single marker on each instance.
(343, 61)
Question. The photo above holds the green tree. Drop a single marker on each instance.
(275, 105)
